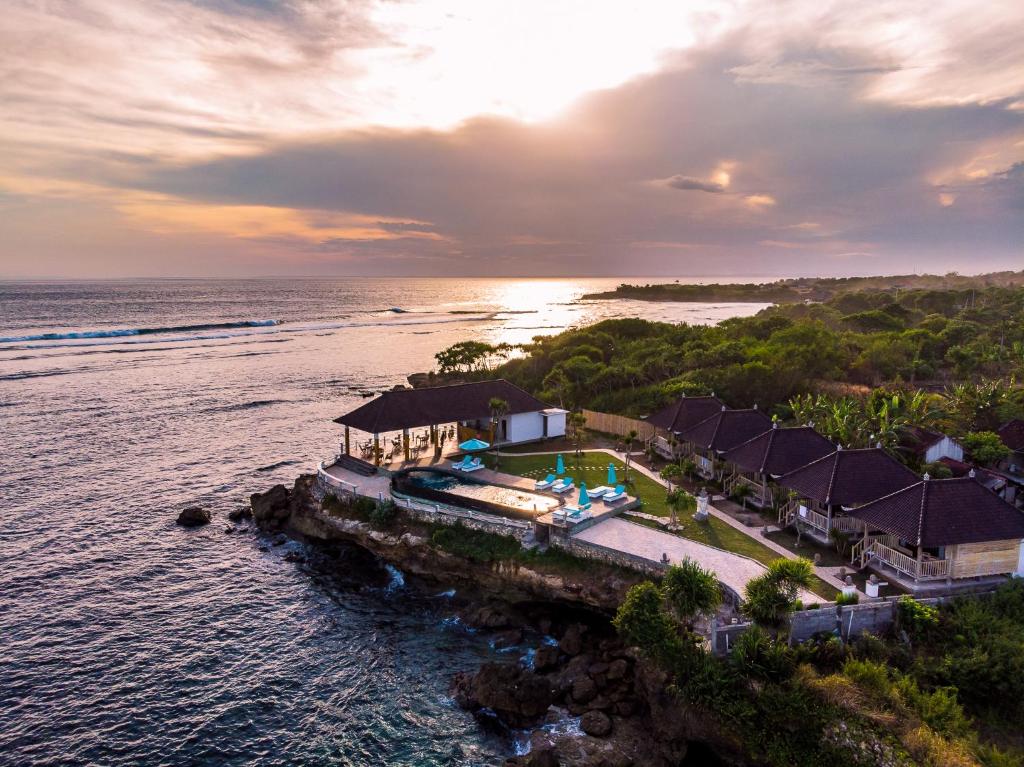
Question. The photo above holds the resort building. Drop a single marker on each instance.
(756, 463)
(724, 430)
(447, 415)
(822, 492)
(929, 446)
(940, 530)
(673, 420)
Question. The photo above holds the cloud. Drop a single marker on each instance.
(812, 134)
(689, 183)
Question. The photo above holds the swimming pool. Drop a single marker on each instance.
(434, 485)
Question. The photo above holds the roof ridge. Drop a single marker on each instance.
(920, 510)
(768, 448)
(832, 476)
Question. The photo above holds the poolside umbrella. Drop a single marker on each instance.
(584, 498)
(560, 465)
(472, 445)
(611, 475)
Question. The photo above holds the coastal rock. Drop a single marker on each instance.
(272, 508)
(546, 658)
(242, 512)
(596, 723)
(572, 640)
(584, 690)
(518, 697)
(194, 516)
(492, 616)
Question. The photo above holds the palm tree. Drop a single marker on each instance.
(499, 407)
(629, 440)
(577, 422)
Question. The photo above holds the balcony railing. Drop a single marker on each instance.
(875, 549)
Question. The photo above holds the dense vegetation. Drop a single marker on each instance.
(916, 697)
(808, 288)
(919, 338)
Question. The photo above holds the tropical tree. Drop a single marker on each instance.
(629, 439)
(498, 408)
(690, 590)
(770, 597)
(985, 447)
(679, 502)
(577, 423)
(671, 473)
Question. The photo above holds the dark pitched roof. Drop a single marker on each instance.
(778, 451)
(850, 477)
(409, 408)
(918, 439)
(943, 512)
(685, 412)
(727, 428)
(1012, 435)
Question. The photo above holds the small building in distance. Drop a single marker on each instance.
(825, 490)
(757, 462)
(930, 446)
(940, 530)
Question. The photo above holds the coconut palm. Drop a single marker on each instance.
(629, 440)
(678, 502)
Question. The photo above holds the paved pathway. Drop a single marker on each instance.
(827, 574)
(732, 569)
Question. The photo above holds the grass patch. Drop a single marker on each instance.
(475, 545)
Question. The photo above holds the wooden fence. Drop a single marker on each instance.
(618, 424)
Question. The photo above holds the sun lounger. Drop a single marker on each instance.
(558, 515)
(616, 495)
(461, 465)
(475, 464)
(563, 485)
(544, 484)
(597, 492)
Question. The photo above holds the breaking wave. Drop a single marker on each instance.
(140, 331)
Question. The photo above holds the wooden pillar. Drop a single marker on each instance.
(376, 450)
(405, 442)
(917, 576)
(433, 435)
(347, 444)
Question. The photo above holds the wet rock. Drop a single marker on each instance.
(546, 658)
(508, 638)
(293, 556)
(271, 509)
(618, 669)
(279, 540)
(542, 751)
(242, 512)
(518, 697)
(572, 641)
(596, 723)
(229, 529)
(492, 616)
(194, 516)
(584, 690)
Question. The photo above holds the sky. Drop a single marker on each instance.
(221, 138)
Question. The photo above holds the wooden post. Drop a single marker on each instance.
(433, 435)
(376, 450)
(917, 575)
(405, 442)
(347, 448)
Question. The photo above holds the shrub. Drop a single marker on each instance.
(918, 620)
(870, 676)
(759, 656)
(641, 621)
(939, 709)
(384, 515)
(475, 545)
(770, 597)
(690, 590)
(847, 599)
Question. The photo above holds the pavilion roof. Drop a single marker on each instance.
(850, 477)
(411, 408)
(944, 512)
(685, 412)
(780, 450)
(727, 428)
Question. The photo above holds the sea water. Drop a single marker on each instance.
(125, 639)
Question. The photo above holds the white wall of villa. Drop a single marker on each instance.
(528, 427)
(944, 448)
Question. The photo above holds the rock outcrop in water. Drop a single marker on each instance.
(194, 516)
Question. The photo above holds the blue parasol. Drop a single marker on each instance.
(471, 445)
(611, 475)
(584, 501)
(560, 465)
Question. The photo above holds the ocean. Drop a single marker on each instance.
(129, 640)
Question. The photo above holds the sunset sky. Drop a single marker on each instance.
(252, 137)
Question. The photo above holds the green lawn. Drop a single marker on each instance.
(593, 468)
